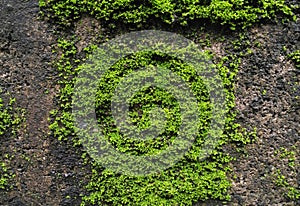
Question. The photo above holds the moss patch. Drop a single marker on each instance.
(189, 180)
(186, 182)
(9, 120)
(233, 13)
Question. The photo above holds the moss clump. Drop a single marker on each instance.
(233, 13)
(184, 183)
(290, 189)
(9, 119)
(5, 118)
(295, 56)
(189, 180)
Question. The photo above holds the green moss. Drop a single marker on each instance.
(6, 119)
(291, 191)
(295, 56)
(4, 176)
(284, 153)
(189, 180)
(241, 13)
(186, 182)
(9, 120)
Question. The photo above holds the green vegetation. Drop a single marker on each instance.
(5, 174)
(6, 119)
(189, 180)
(9, 120)
(289, 154)
(231, 12)
(295, 56)
(291, 191)
(184, 183)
